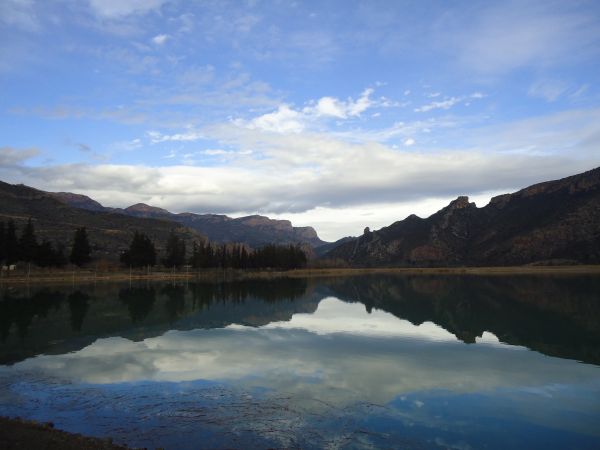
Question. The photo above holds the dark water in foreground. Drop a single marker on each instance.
(418, 362)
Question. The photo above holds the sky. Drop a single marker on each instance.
(333, 114)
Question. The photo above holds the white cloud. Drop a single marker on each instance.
(329, 106)
(115, 9)
(549, 90)
(408, 142)
(160, 39)
(190, 135)
(10, 156)
(284, 120)
(333, 107)
(448, 103)
(330, 179)
(215, 152)
(400, 129)
(225, 153)
(127, 146)
(362, 104)
(443, 104)
(288, 120)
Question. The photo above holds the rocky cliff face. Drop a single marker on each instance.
(552, 222)
(254, 230)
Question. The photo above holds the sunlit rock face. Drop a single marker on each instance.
(550, 223)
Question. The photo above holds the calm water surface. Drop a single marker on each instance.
(416, 362)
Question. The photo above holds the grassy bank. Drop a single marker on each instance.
(93, 276)
(19, 434)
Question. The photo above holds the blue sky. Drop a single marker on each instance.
(334, 114)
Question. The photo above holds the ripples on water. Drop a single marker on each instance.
(369, 362)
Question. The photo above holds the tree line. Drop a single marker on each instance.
(24, 246)
(205, 255)
(236, 256)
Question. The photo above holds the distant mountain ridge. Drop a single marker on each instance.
(254, 230)
(110, 232)
(547, 223)
(79, 201)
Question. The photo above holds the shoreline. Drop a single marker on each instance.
(90, 276)
(17, 433)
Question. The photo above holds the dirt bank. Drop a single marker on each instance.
(19, 434)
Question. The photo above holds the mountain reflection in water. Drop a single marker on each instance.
(553, 315)
(357, 362)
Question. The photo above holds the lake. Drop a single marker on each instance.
(378, 361)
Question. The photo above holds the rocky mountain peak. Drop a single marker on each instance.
(546, 223)
(144, 208)
(257, 220)
(460, 203)
(78, 201)
(500, 201)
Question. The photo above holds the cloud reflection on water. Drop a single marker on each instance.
(340, 354)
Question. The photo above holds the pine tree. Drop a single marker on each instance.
(2, 242)
(47, 256)
(80, 253)
(11, 243)
(28, 245)
(198, 255)
(175, 251)
(141, 252)
(61, 258)
(244, 258)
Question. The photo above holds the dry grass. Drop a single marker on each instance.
(92, 276)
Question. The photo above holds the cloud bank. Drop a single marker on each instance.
(279, 167)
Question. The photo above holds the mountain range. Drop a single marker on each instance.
(555, 222)
(254, 231)
(57, 214)
(109, 232)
